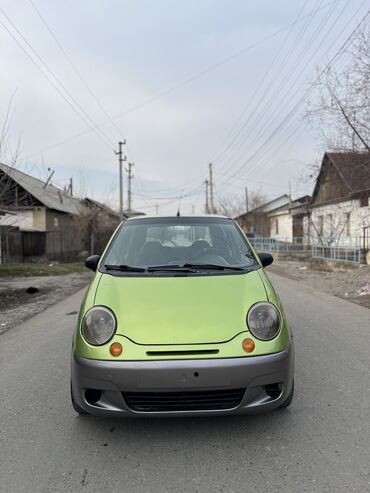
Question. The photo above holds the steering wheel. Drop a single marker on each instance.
(171, 241)
(210, 250)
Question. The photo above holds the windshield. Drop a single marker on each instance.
(179, 242)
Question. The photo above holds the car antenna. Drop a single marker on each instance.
(178, 213)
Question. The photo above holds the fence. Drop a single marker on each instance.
(293, 245)
(351, 249)
(28, 246)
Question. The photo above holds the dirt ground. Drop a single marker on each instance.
(23, 297)
(352, 284)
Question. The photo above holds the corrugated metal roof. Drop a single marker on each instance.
(268, 206)
(51, 196)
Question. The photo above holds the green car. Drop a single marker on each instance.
(181, 319)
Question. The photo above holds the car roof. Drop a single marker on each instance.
(200, 216)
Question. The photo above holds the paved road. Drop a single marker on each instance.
(321, 444)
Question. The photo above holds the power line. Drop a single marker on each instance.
(288, 94)
(260, 84)
(74, 67)
(72, 102)
(297, 104)
(184, 82)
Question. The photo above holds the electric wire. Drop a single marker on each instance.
(183, 82)
(71, 102)
(297, 104)
(75, 69)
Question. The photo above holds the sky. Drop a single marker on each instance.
(185, 83)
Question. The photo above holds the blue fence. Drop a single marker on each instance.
(346, 249)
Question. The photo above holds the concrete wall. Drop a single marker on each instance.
(334, 220)
(281, 226)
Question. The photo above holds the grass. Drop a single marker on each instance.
(49, 269)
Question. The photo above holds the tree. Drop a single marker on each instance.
(9, 154)
(340, 106)
(233, 206)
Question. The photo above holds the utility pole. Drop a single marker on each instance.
(246, 200)
(49, 177)
(212, 208)
(121, 159)
(70, 187)
(129, 195)
(207, 202)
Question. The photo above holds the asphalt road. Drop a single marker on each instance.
(320, 444)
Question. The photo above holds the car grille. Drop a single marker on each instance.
(208, 400)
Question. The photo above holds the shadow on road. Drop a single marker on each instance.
(194, 432)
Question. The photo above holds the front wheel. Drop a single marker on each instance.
(289, 399)
(75, 406)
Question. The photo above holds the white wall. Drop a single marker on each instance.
(30, 220)
(285, 226)
(336, 225)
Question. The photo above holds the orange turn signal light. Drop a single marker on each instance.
(248, 345)
(115, 349)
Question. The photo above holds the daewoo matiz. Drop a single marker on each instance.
(181, 319)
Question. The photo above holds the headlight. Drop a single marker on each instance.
(263, 321)
(99, 325)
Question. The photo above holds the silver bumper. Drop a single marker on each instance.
(267, 381)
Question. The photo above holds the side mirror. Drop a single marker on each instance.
(92, 262)
(266, 259)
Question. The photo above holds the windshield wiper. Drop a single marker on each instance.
(213, 266)
(170, 268)
(124, 268)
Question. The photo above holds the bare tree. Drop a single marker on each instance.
(256, 198)
(96, 222)
(340, 106)
(9, 154)
(233, 206)
(230, 206)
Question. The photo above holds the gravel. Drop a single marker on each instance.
(352, 284)
(23, 297)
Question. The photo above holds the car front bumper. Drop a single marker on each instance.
(247, 385)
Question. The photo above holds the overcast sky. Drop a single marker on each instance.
(238, 111)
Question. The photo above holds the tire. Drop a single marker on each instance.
(289, 399)
(75, 406)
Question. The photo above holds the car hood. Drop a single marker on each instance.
(180, 310)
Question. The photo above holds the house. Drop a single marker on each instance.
(286, 222)
(257, 220)
(340, 206)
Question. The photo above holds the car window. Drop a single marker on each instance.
(171, 241)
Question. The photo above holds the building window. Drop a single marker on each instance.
(348, 224)
(56, 222)
(277, 226)
(321, 225)
(364, 201)
(330, 223)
